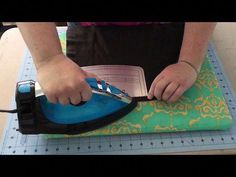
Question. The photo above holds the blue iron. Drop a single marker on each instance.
(37, 115)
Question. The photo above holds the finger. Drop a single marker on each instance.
(169, 91)
(160, 87)
(75, 98)
(52, 99)
(152, 88)
(86, 92)
(177, 94)
(64, 100)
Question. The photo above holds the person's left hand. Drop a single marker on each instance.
(172, 82)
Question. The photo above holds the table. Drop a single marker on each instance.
(12, 48)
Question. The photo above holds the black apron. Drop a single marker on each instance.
(153, 47)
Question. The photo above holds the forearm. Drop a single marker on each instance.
(42, 40)
(195, 42)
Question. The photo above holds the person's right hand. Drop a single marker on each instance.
(63, 81)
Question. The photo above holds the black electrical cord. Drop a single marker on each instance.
(9, 111)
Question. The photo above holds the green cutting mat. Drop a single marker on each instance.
(202, 107)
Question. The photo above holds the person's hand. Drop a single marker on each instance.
(63, 81)
(172, 82)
